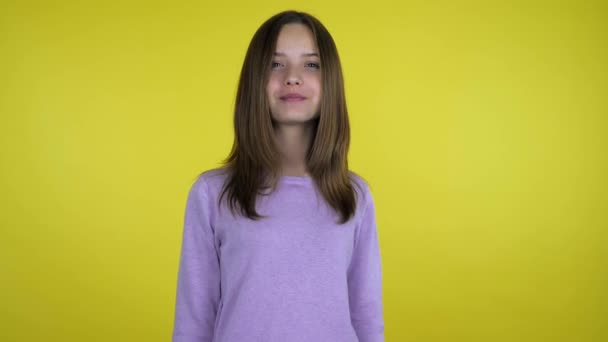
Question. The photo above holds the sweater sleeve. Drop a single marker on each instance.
(198, 279)
(365, 279)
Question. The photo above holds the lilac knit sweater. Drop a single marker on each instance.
(296, 276)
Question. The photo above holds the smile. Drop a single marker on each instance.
(293, 99)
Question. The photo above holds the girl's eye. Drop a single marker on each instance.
(277, 64)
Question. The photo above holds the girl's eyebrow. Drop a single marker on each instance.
(310, 54)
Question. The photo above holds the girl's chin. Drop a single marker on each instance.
(292, 118)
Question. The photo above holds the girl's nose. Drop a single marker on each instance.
(293, 81)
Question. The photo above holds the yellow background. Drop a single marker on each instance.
(481, 126)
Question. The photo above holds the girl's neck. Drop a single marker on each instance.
(293, 142)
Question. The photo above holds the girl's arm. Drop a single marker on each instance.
(365, 278)
(198, 285)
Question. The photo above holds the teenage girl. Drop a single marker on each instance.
(280, 243)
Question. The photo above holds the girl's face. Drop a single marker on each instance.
(294, 87)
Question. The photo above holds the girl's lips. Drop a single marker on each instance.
(293, 99)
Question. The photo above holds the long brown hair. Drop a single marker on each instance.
(254, 161)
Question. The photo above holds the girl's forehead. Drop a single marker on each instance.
(295, 38)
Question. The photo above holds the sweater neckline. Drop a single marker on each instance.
(296, 179)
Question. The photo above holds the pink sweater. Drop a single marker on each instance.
(296, 276)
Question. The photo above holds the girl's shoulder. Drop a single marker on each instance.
(362, 189)
(209, 182)
(217, 174)
(359, 181)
